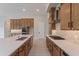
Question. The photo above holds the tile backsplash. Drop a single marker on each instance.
(70, 35)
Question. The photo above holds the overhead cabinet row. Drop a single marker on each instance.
(19, 23)
(69, 16)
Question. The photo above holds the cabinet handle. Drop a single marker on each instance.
(72, 24)
(68, 24)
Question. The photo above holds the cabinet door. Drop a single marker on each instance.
(22, 50)
(75, 16)
(17, 23)
(21, 53)
(21, 23)
(32, 23)
(26, 22)
(56, 50)
(11, 24)
(65, 16)
(15, 53)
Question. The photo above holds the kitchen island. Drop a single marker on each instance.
(62, 47)
(13, 46)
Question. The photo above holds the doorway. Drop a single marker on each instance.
(38, 29)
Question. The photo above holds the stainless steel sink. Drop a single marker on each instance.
(22, 38)
(57, 37)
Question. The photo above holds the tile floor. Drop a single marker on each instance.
(39, 48)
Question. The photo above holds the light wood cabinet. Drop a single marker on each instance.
(65, 16)
(19, 23)
(53, 48)
(22, 23)
(26, 22)
(56, 50)
(49, 45)
(24, 49)
(69, 18)
(75, 15)
(31, 22)
(11, 24)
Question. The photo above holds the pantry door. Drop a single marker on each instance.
(40, 30)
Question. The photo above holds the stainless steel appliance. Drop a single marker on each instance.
(25, 30)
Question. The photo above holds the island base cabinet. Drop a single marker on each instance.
(53, 48)
(56, 51)
(49, 45)
(15, 53)
(21, 53)
(24, 49)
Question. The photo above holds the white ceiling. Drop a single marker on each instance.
(29, 8)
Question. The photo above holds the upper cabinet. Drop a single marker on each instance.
(69, 16)
(75, 16)
(19, 23)
(65, 16)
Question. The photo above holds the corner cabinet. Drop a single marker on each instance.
(69, 16)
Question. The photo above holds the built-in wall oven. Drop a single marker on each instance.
(25, 30)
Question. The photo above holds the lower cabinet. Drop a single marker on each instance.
(15, 53)
(53, 48)
(56, 50)
(24, 49)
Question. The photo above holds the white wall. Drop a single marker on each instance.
(2, 21)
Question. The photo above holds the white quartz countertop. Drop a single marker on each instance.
(9, 45)
(70, 48)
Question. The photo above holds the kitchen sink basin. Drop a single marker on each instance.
(22, 38)
(56, 37)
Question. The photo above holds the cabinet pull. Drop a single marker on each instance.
(72, 24)
(68, 24)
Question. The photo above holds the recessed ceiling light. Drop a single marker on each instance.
(23, 9)
(37, 10)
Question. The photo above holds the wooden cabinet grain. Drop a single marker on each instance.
(56, 50)
(53, 48)
(69, 18)
(24, 49)
(49, 45)
(75, 16)
(65, 16)
(32, 22)
(11, 24)
(15, 53)
(19, 23)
